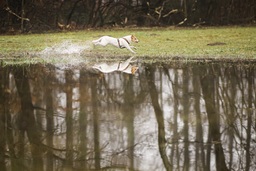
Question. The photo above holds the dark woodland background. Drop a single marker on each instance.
(43, 15)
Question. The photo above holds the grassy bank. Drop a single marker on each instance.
(155, 43)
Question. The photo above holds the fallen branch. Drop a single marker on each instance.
(171, 12)
(182, 22)
(11, 12)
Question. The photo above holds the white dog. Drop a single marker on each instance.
(123, 42)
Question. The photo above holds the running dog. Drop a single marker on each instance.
(123, 42)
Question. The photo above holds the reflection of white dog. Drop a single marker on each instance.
(125, 67)
(123, 42)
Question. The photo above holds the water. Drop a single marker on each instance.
(66, 54)
(165, 117)
(66, 48)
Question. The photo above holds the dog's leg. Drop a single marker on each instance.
(130, 49)
(133, 47)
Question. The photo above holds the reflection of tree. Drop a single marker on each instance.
(250, 77)
(208, 82)
(185, 104)
(96, 123)
(228, 94)
(69, 120)
(125, 98)
(83, 114)
(175, 138)
(129, 112)
(159, 117)
(3, 114)
(50, 122)
(27, 119)
(200, 155)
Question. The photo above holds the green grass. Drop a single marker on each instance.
(155, 43)
(239, 42)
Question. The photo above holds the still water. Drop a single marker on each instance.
(174, 117)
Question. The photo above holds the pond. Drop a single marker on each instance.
(176, 116)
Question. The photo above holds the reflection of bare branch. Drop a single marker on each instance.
(124, 150)
(46, 147)
(194, 142)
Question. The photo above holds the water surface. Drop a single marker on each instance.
(165, 117)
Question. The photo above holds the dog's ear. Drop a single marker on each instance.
(134, 39)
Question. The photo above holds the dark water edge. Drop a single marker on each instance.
(168, 116)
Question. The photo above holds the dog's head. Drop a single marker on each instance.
(134, 69)
(134, 39)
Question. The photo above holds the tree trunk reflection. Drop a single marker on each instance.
(185, 104)
(175, 138)
(128, 112)
(27, 119)
(50, 124)
(69, 120)
(3, 115)
(159, 117)
(208, 82)
(200, 151)
(83, 114)
(250, 77)
(96, 127)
